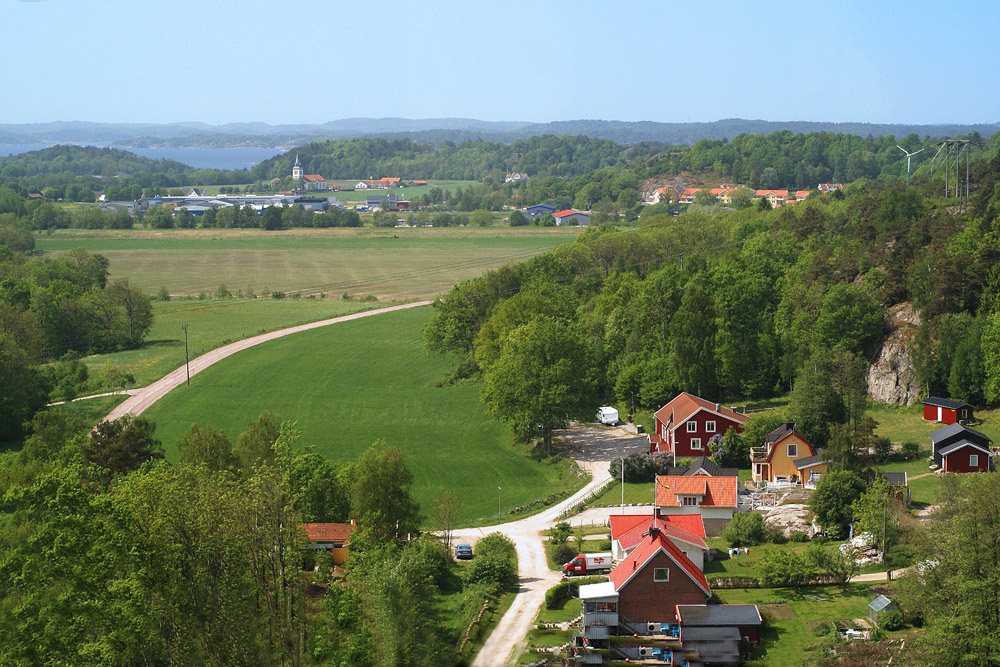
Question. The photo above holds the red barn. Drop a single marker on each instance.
(686, 424)
(945, 410)
(958, 448)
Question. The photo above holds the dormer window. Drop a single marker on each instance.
(690, 501)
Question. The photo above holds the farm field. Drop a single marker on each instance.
(391, 264)
(351, 384)
(212, 323)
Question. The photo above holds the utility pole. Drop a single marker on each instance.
(186, 367)
(623, 481)
(885, 511)
(498, 502)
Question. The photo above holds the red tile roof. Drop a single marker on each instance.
(328, 532)
(649, 547)
(718, 491)
(566, 212)
(691, 191)
(684, 405)
(628, 529)
(780, 193)
(313, 178)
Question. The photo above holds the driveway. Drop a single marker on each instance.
(592, 447)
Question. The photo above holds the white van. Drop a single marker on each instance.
(608, 416)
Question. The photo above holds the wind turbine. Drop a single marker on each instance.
(908, 156)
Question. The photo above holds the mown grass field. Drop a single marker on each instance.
(211, 324)
(353, 383)
(391, 264)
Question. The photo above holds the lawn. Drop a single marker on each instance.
(902, 423)
(212, 323)
(793, 620)
(635, 494)
(353, 383)
(549, 637)
(391, 264)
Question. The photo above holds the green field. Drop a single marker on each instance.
(211, 324)
(350, 384)
(391, 264)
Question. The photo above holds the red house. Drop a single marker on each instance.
(685, 425)
(957, 448)
(945, 410)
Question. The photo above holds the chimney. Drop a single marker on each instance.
(790, 425)
(654, 532)
(718, 407)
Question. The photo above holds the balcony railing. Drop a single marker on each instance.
(758, 454)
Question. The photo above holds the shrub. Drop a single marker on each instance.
(495, 563)
(891, 620)
(744, 530)
(564, 553)
(605, 545)
(561, 532)
(799, 536)
(776, 536)
(911, 450)
(163, 294)
(558, 595)
(277, 295)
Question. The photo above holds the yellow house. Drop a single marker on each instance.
(777, 461)
(332, 537)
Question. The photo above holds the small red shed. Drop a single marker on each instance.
(965, 456)
(945, 410)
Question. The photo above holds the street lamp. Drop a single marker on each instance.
(498, 502)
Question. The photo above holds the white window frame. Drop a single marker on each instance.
(974, 460)
(658, 576)
(792, 450)
(710, 427)
(692, 427)
(689, 501)
(696, 443)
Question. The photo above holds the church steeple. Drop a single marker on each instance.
(297, 170)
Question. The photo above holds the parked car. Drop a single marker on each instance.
(464, 552)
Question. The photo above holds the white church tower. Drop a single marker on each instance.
(297, 170)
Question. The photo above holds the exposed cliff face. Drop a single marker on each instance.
(891, 378)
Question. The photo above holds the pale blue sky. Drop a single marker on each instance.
(310, 62)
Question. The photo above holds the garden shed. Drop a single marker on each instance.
(879, 606)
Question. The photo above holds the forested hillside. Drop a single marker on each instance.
(745, 304)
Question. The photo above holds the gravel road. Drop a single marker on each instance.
(593, 447)
(141, 399)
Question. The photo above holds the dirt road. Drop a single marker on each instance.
(593, 448)
(142, 398)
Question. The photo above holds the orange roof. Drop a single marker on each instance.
(716, 492)
(719, 191)
(420, 182)
(684, 405)
(566, 212)
(313, 177)
(649, 547)
(691, 191)
(628, 529)
(661, 191)
(802, 194)
(780, 193)
(328, 532)
(390, 179)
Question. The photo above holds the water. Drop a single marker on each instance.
(200, 158)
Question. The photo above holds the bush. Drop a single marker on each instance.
(495, 563)
(776, 536)
(558, 595)
(911, 450)
(277, 295)
(605, 545)
(561, 532)
(564, 553)
(891, 620)
(799, 536)
(642, 467)
(746, 529)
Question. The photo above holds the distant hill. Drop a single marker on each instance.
(437, 130)
(84, 161)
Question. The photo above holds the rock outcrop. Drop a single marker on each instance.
(891, 379)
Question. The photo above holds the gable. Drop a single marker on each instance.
(654, 553)
(787, 439)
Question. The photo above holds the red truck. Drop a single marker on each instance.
(588, 564)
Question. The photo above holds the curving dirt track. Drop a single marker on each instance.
(142, 398)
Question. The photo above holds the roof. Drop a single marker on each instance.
(780, 193)
(650, 546)
(701, 633)
(782, 432)
(718, 614)
(880, 603)
(684, 405)
(961, 444)
(703, 463)
(895, 478)
(605, 589)
(328, 532)
(715, 491)
(313, 177)
(809, 461)
(629, 529)
(566, 213)
(542, 206)
(952, 430)
(946, 403)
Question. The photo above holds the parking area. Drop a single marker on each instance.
(594, 443)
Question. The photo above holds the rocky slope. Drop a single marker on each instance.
(891, 378)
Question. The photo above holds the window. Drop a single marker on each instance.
(974, 460)
(710, 427)
(695, 443)
(606, 606)
(690, 501)
(793, 450)
(661, 574)
(965, 413)
(692, 427)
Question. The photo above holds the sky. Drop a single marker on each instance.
(310, 62)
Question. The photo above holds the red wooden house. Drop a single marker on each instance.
(945, 410)
(685, 425)
(958, 448)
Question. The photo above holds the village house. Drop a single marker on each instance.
(702, 466)
(684, 426)
(515, 178)
(686, 531)
(713, 498)
(332, 537)
(540, 210)
(958, 448)
(829, 187)
(775, 197)
(785, 457)
(652, 611)
(946, 411)
(314, 182)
